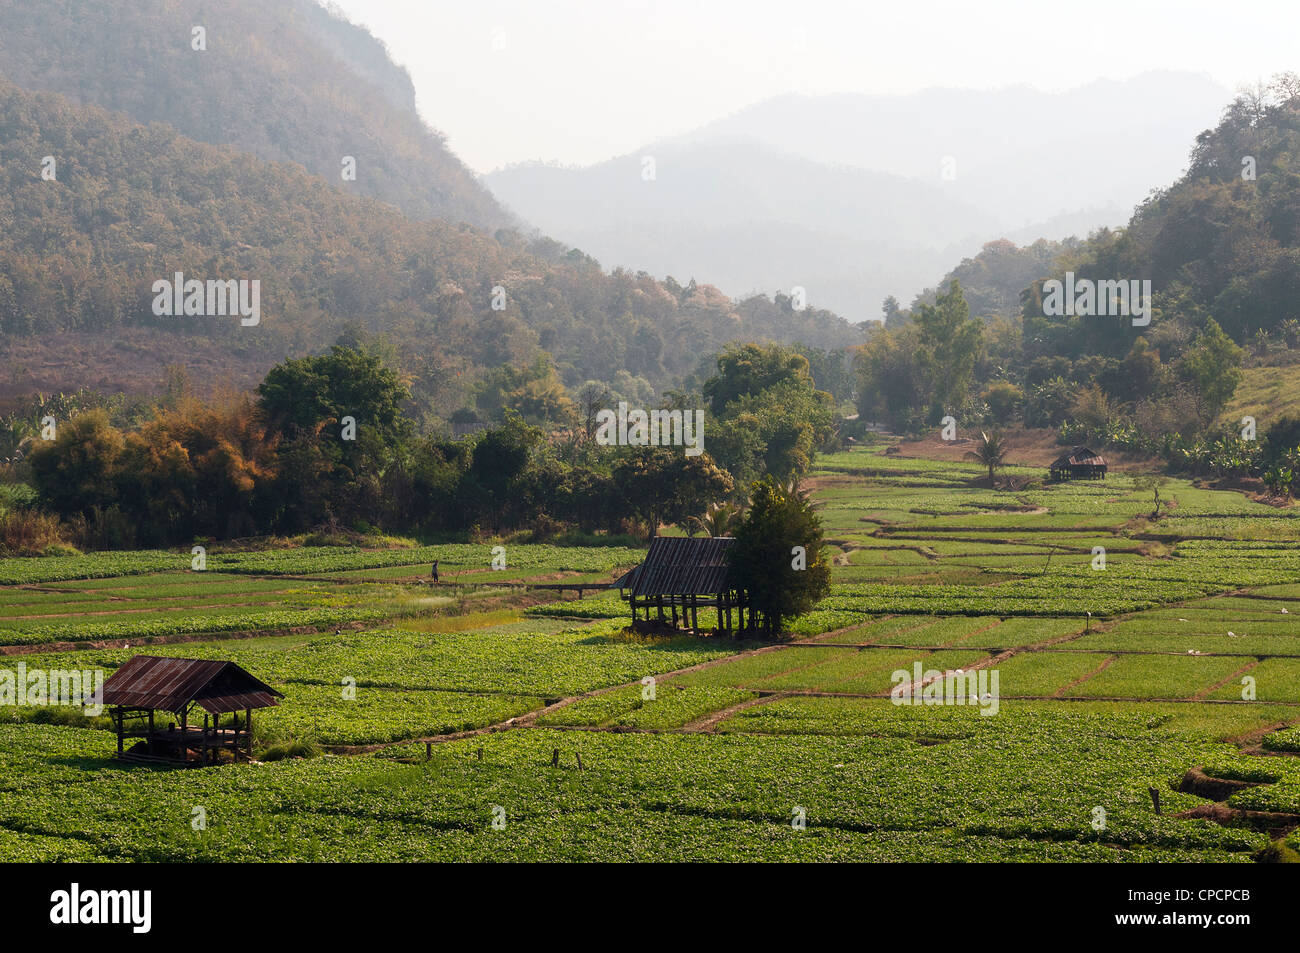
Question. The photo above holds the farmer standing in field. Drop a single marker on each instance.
(434, 571)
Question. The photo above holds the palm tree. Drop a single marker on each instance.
(991, 450)
(720, 520)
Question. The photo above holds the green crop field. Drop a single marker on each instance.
(484, 718)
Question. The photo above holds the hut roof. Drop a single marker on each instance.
(1079, 457)
(678, 566)
(171, 684)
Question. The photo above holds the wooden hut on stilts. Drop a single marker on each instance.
(148, 684)
(679, 577)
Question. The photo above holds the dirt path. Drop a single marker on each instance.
(1206, 692)
(709, 723)
(1106, 663)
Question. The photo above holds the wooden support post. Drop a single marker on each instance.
(428, 751)
(149, 744)
(120, 717)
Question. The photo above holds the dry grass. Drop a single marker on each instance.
(29, 533)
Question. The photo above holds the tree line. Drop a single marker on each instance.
(324, 441)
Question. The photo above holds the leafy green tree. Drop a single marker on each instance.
(663, 485)
(1093, 410)
(1142, 373)
(893, 312)
(534, 391)
(1212, 366)
(1003, 399)
(766, 561)
(499, 461)
(305, 402)
(75, 473)
(890, 385)
(750, 369)
(947, 348)
(305, 393)
(830, 371)
(1049, 402)
(768, 416)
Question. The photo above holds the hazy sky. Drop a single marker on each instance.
(579, 81)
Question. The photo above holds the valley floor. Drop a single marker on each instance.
(485, 726)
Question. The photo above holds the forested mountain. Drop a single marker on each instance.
(754, 218)
(994, 280)
(194, 172)
(1222, 242)
(130, 205)
(284, 80)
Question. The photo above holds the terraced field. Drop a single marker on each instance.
(480, 719)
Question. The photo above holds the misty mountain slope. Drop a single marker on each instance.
(853, 204)
(735, 182)
(1020, 154)
(751, 218)
(285, 81)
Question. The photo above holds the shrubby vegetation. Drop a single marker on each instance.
(326, 441)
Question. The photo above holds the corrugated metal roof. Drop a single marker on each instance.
(1080, 457)
(678, 566)
(170, 684)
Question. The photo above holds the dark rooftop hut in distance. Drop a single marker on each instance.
(1079, 464)
(685, 574)
(149, 683)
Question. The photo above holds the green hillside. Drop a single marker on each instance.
(285, 81)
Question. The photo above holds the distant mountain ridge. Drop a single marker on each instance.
(847, 196)
(1017, 150)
